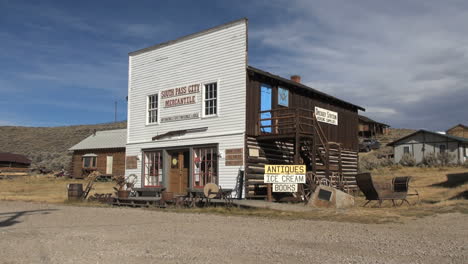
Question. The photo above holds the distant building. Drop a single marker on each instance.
(10, 162)
(420, 143)
(103, 151)
(458, 131)
(370, 128)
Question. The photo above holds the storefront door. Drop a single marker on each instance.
(179, 171)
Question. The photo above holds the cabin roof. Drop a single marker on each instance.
(365, 119)
(459, 125)
(455, 138)
(11, 157)
(301, 86)
(106, 139)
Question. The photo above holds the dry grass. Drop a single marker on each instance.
(437, 193)
(44, 188)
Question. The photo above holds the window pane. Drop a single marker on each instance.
(210, 98)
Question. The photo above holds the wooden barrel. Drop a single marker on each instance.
(75, 191)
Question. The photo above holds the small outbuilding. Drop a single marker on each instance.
(421, 143)
(103, 151)
(369, 128)
(10, 162)
(458, 131)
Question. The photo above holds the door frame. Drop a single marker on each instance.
(166, 161)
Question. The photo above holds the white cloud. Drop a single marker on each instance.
(386, 55)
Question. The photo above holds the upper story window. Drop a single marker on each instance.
(153, 109)
(210, 104)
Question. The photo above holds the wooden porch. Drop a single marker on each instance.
(294, 136)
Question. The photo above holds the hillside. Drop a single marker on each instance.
(48, 146)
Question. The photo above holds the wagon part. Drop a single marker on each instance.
(89, 186)
(308, 187)
(211, 190)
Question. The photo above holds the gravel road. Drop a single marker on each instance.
(42, 233)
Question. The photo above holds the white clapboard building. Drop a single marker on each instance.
(192, 119)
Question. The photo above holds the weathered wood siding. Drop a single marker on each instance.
(118, 163)
(345, 133)
(217, 55)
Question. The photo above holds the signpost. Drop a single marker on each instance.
(284, 178)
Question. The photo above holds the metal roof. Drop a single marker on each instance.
(300, 85)
(106, 139)
(459, 139)
(11, 157)
(368, 120)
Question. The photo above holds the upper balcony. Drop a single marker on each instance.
(285, 123)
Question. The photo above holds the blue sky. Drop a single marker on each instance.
(406, 62)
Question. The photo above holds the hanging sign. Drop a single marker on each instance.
(326, 116)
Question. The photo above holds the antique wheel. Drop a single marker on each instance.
(308, 188)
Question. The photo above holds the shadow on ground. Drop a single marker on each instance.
(453, 180)
(12, 217)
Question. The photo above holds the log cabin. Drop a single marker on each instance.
(103, 151)
(198, 114)
(10, 162)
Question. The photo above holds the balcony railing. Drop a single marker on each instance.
(285, 121)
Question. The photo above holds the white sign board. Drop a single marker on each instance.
(326, 116)
(180, 117)
(285, 187)
(283, 178)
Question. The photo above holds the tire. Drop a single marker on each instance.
(368, 149)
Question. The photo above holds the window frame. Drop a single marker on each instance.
(157, 109)
(442, 147)
(92, 158)
(204, 115)
(204, 176)
(404, 150)
(159, 168)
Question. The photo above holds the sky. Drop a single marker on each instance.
(406, 62)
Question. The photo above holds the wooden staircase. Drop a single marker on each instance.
(296, 137)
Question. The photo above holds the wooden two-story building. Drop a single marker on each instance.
(198, 113)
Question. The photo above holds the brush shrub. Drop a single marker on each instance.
(407, 160)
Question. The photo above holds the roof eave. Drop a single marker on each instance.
(300, 85)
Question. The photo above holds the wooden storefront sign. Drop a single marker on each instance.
(234, 157)
(181, 91)
(284, 177)
(326, 116)
(180, 117)
(131, 162)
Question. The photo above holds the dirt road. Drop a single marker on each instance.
(42, 233)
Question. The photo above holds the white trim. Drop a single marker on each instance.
(157, 110)
(190, 138)
(128, 95)
(203, 116)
